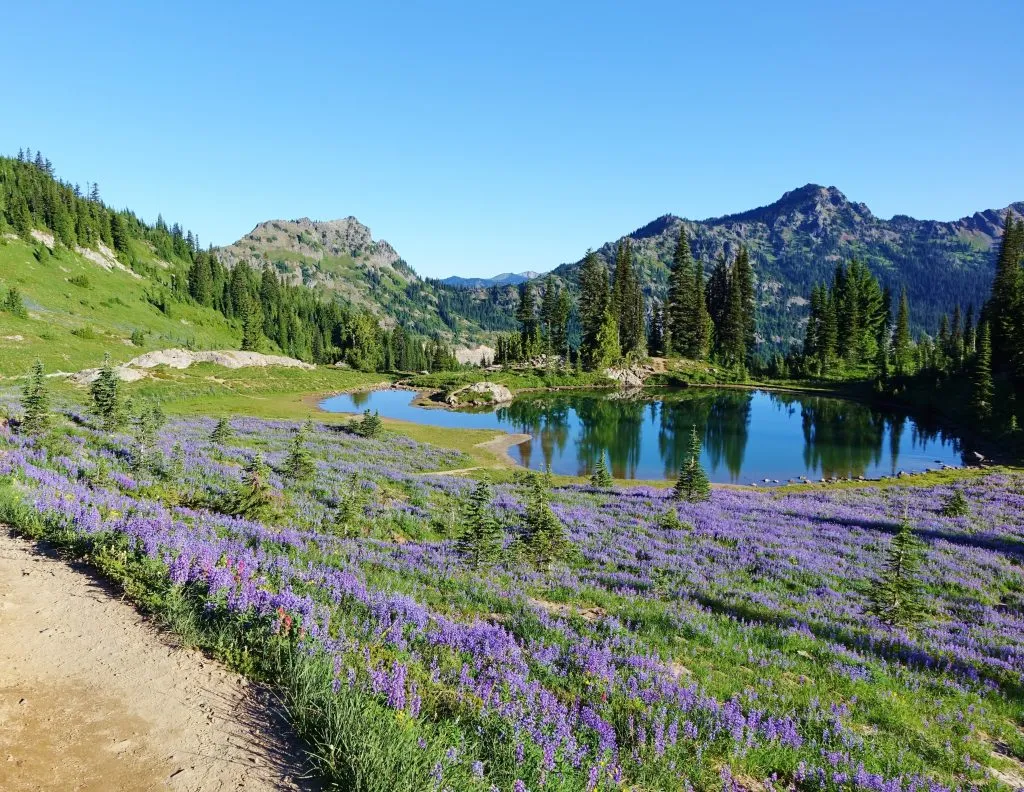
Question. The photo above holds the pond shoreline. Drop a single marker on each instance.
(763, 467)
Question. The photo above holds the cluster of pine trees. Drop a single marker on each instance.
(543, 327)
(713, 322)
(291, 317)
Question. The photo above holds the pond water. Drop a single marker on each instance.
(748, 436)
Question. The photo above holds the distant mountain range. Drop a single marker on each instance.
(504, 279)
(794, 243)
(799, 239)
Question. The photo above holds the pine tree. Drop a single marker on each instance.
(743, 273)
(1006, 308)
(481, 539)
(370, 425)
(606, 349)
(981, 397)
(593, 310)
(681, 303)
(901, 336)
(600, 477)
(252, 325)
(14, 305)
(299, 464)
(897, 597)
(222, 433)
(544, 536)
(105, 391)
(35, 403)
(526, 315)
(254, 498)
(692, 484)
(628, 303)
(955, 505)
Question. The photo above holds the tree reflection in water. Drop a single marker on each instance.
(840, 438)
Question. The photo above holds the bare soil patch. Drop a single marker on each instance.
(92, 697)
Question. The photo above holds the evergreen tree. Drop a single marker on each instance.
(743, 273)
(681, 303)
(299, 464)
(1006, 308)
(252, 325)
(606, 349)
(628, 303)
(544, 537)
(14, 305)
(600, 477)
(370, 425)
(901, 336)
(254, 498)
(222, 433)
(692, 484)
(526, 315)
(481, 540)
(955, 505)
(593, 310)
(897, 597)
(981, 397)
(105, 391)
(35, 403)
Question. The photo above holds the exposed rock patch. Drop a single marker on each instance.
(475, 356)
(135, 369)
(478, 394)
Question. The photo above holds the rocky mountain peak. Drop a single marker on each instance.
(312, 241)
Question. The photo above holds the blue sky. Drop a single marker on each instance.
(481, 137)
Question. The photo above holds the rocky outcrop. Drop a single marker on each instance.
(135, 369)
(630, 376)
(475, 356)
(479, 394)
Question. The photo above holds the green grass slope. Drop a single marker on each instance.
(78, 310)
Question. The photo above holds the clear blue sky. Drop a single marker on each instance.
(480, 137)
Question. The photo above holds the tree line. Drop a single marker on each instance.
(268, 311)
(613, 322)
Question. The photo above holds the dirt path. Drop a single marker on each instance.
(93, 698)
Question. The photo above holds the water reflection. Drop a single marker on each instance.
(747, 435)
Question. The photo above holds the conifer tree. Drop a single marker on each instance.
(606, 346)
(105, 391)
(593, 309)
(544, 536)
(897, 597)
(1006, 308)
(628, 303)
(254, 498)
(981, 396)
(526, 315)
(955, 505)
(13, 303)
(901, 336)
(35, 402)
(481, 539)
(299, 464)
(743, 273)
(222, 433)
(370, 425)
(600, 477)
(252, 325)
(692, 484)
(681, 305)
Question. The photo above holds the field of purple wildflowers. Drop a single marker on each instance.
(728, 649)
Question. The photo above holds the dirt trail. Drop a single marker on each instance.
(93, 698)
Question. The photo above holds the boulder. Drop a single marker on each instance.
(479, 393)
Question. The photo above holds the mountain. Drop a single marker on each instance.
(343, 258)
(799, 239)
(504, 279)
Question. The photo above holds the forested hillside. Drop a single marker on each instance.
(80, 278)
(799, 240)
